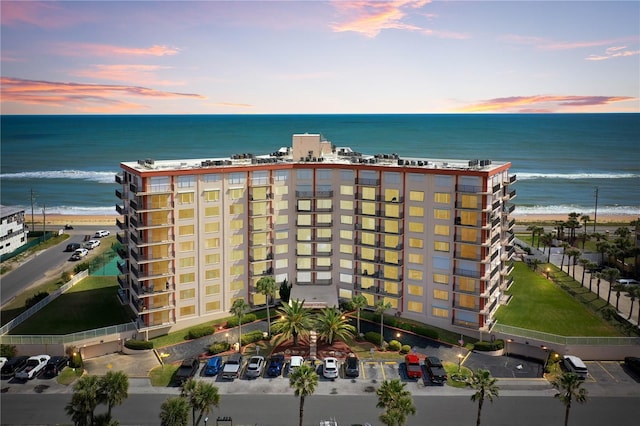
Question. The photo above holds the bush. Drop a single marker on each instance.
(347, 306)
(35, 299)
(373, 337)
(80, 267)
(483, 346)
(233, 321)
(138, 345)
(218, 347)
(426, 332)
(405, 349)
(8, 351)
(394, 345)
(252, 336)
(201, 331)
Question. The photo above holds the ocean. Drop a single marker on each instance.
(68, 163)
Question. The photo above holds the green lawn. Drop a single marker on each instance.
(92, 303)
(540, 304)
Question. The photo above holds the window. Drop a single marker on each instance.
(415, 290)
(324, 174)
(346, 278)
(324, 204)
(237, 270)
(346, 205)
(212, 178)
(346, 234)
(212, 259)
(391, 177)
(346, 263)
(466, 301)
(212, 211)
(441, 279)
(236, 194)
(212, 195)
(391, 241)
(281, 190)
(303, 174)
(282, 263)
(368, 238)
(186, 230)
(324, 234)
(415, 258)
(390, 287)
(260, 177)
(212, 306)
(416, 177)
(368, 193)
(416, 227)
(441, 262)
(442, 197)
(416, 243)
(304, 220)
(368, 223)
(440, 294)
(212, 243)
(304, 234)
(392, 210)
(186, 246)
(212, 227)
(282, 219)
(414, 306)
(304, 205)
(159, 184)
(282, 175)
(186, 181)
(441, 246)
(282, 205)
(212, 274)
(324, 219)
(323, 261)
(237, 239)
(416, 196)
(187, 262)
(303, 263)
(441, 230)
(346, 190)
(236, 178)
(469, 201)
(444, 180)
(367, 253)
(303, 249)
(346, 175)
(282, 248)
(469, 252)
(282, 235)
(391, 272)
(466, 284)
(236, 224)
(185, 214)
(236, 285)
(187, 294)
(185, 198)
(259, 238)
(416, 211)
(187, 278)
(212, 289)
(237, 255)
(346, 219)
(391, 257)
(469, 218)
(187, 310)
(440, 312)
(236, 208)
(442, 214)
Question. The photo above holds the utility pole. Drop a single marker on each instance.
(595, 214)
(33, 227)
(44, 223)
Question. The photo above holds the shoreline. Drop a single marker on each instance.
(110, 220)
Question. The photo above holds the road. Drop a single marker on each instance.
(44, 265)
(282, 410)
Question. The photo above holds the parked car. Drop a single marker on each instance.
(633, 363)
(91, 244)
(34, 365)
(412, 363)
(101, 233)
(12, 366)
(437, 373)
(295, 362)
(72, 247)
(276, 362)
(79, 254)
(187, 369)
(3, 361)
(330, 368)
(255, 366)
(352, 366)
(231, 368)
(573, 364)
(54, 366)
(213, 366)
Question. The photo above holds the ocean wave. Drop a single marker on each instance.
(566, 209)
(94, 176)
(71, 210)
(576, 176)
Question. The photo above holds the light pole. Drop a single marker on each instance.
(546, 357)
(206, 419)
(548, 271)
(459, 362)
(508, 341)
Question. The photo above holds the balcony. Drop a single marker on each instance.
(123, 253)
(469, 273)
(122, 267)
(146, 276)
(122, 226)
(482, 241)
(152, 190)
(324, 194)
(141, 260)
(304, 194)
(122, 282)
(260, 212)
(488, 308)
(122, 239)
(262, 273)
(119, 179)
(512, 179)
(367, 182)
(463, 206)
(508, 269)
(495, 205)
(267, 258)
(471, 189)
(118, 194)
(509, 209)
(377, 213)
(146, 291)
(142, 309)
(121, 210)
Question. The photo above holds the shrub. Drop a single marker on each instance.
(394, 345)
(8, 351)
(373, 337)
(483, 346)
(35, 299)
(405, 349)
(252, 336)
(218, 347)
(347, 306)
(197, 332)
(426, 332)
(80, 267)
(138, 345)
(233, 321)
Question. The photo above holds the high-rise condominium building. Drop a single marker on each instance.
(432, 238)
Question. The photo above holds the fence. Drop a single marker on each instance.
(67, 338)
(42, 303)
(25, 247)
(565, 340)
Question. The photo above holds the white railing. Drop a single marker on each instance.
(10, 339)
(565, 340)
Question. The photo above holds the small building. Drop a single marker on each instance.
(13, 234)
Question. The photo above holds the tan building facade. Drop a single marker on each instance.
(433, 238)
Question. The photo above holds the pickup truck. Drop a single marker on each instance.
(437, 373)
(187, 370)
(414, 369)
(231, 368)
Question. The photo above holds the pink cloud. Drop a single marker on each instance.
(80, 96)
(232, 105)
(39, 14)
(546, 103)
(82, 49)
(613, 52)
(126, 73)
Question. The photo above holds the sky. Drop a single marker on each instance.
(319, 57)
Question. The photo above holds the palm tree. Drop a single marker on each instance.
(603, 248)
(485, 387)
(396, 401)
(331, 324)
(599, 276)
(610, 274)
(201, 397)
(114, 389)
(84, 400)
(547, 241)
(584, 262)
(268, 287)
(619, 288)
(174, 412)
(584, 219)
(565, 248)
(569, 389)
(572, 253)
(359, 302)
(238, 309)
(381, 306)
(294, 321)
(304, 380)
(591, 266)
(534, 231)
(634, 293)
(535, 262)
(573, 224)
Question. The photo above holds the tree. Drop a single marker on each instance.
(584, 262)
(569, 389)
(591, 266)
(84, 400)
(485, 387)
(201, 396)
(534, 263)
(610, 274)
(603, 247)
(381, 306)
(294, 321)
(572, 253)
(634, 293)
(331, 324)
(565, 248)
(534, 232)
(8, 351)
(359, 302)
(304, 380)
(114, 389)
(584, 219)
(284, 291)
(239, 308)
(268, 287)
(396, 401)
(572, 224)
(174, 412)
(619, 288)
(599, 276)
(547, 241)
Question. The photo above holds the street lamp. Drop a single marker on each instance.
(508, 341)
(398, 335)
(206, 419)
(459, 362)
(546, 357)
(548, 271)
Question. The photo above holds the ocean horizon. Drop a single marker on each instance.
(69, 162)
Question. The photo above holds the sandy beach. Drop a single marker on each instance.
(109, 220)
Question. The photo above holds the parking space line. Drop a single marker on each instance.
(606, 371)
(384, 376)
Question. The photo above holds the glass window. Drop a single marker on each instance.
(212, 306)
(187, 262)
(237, 239)
(369, 208)
(303, 249)
(368, 238)
(236, 208)
(185, 198)
(211, 274)
(391, 241)
(236, 224)
(186, 246)
(186, 181)
(391, 257)
(441, 230)
(441, 262)
(282, 175)
(185, 214)
(282, 248)
(416, 226)
(187, 310)
(236, 285)
(415, 274)
(304, 220)
(416, 177)
(440, 294)
(441, 246)
(304, 205)
(469, 201)
(212, 259)
(346, 263)
(346, 248)
(347, 175)
(368, 193)
(391, 177)
(415, 258)
(442, 214)
(414, 306)
(186, 230)
(187, 278)
(324, 219)
(367, 253)
(212, 289)
(282, 235)
(237, 178)
(391, 272)
(212, 211)
(346, 219)
(324, 174)
(416, 243)
(260, 177)
(281, 190)
(466, 301)
(416, 211)
(303, 174)
(346, 205)
(159, 184)
(213, 195)
(212, 178)
(444, 180)
(368, 223)
(282, 204)
(440, 312)
(324, 203)
(441, 278)
(324, 233)
(346, 190)
(466, 284)
(304, 263)
(282, 219)
(236, 194)
(416, 196)
(304, 234)
(392, 210)
(212, 243)
(237, 270)
(237, 255)
(442, 197)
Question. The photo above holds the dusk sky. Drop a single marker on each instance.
(308, 57)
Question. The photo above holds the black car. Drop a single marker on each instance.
(633, 364)
(352, 366)
(55, 365)
(72, 247)
(12, 366)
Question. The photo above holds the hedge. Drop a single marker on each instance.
(483, 346)
(405, 349)
(373, 337)
(200, 331)
(218, 347)
(394, 345)
(138, 345)
(252, 336)
(233, 321)
(414, 328)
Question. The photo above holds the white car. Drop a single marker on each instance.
(330, 368)
(91, 244)
(295, 362)
(254, 368)
(34, 365)
(101, 233)
(79, 254)
(3, 361)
